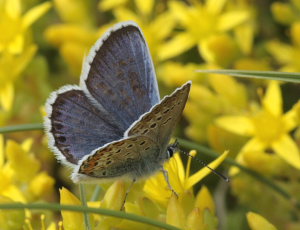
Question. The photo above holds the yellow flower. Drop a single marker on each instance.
(200, 21)
(20, 180)
(113, 199)
(226, 95)
(16, 50)
(176, 74)
(156, 187)
(200, 215)
(110, 4)
(11, 219)
(286, 12)
(141, 207)
(257, 222)
(268, 128)
(151, 26)
(76, 34)
(75, 12)
(71, 220)
(41, 184)
(219, 49)
(6, 96)
(285, 54)
(15, 25)
(73, 42)
(114, 196)
(264, 162)
(11, 66)
(23, 164)
(7, 187)
(252, 64)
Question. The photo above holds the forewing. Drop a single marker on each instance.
(159, 123)
(75, 127)
(123, 157)
(119, 74)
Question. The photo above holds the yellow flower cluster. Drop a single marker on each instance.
(153, 199)
(21, 180)
(258, 121)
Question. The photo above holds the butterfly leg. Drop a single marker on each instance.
(127, 192)
(166, 175)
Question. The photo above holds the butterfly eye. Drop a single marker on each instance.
(170, 151)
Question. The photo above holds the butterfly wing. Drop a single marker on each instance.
(140, 153)
(133, 157)
(75, 127)
(159, 123)
(119, 75)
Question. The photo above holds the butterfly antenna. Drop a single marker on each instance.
(225, 178)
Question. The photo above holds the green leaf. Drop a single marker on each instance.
(77, 208)
(267, 75)
(24, 127)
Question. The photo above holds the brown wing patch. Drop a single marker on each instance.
(105, 161)
(168, 111)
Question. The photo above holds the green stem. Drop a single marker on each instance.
(87, 221)
(207, 151)
(79, 208)
(19, 128)
(96, 193)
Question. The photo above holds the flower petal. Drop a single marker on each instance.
(195, 220)
(1, 151)
(11, 219)
(157, 189)
(34, 13)
(106, 5)
(180, 11)
(244, 37)
(19, 159)
(166, 20)
(272, 100)
(283, 12)
(178, 168)
(114, 196)
(71, 220)
(180, 43)
(13, 8)
(175, 215)
(287, 149)
(144, 6)
(292, 117)
(156, 186)
(215, 7)
(42, 184)
(16, 45)
(14, 193)
(123, 14)
(7, 96)
(281, 51)
(241, 125)
(257, 222)
(204, 200)
(229, 89)
(253, 144)
(196, 177)
(232, 19)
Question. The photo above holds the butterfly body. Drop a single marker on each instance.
(114, 125)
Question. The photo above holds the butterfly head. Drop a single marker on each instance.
(173, 148)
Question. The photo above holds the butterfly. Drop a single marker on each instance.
(114, 124)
